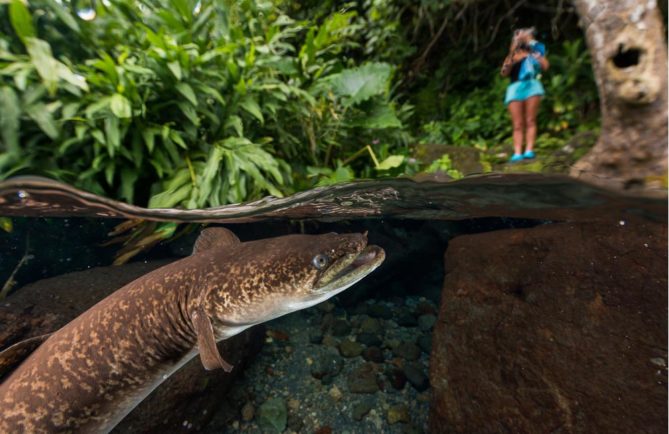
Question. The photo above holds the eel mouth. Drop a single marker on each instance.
(350, 269)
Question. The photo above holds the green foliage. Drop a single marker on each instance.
(445, 165)
(196, 103)
(185, 103)
(478, 117)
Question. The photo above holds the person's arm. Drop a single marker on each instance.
(506, 66)
(543, 62)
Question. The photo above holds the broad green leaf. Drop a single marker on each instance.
(361, 83)
(149, 135)
(42, 117)
(120, 106)
(381, 116)
(21, 20)
(235, 122)
(109, 173)
(190, 112)
(66, 74)
(45, 64)
(391, 162)
(187, 91)
(250, 105)
(128, 179)
(176, 69)
(92, 109)
(113, 134)
(10, 113)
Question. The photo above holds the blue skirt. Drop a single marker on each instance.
(523, 89)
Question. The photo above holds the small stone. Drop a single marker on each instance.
(248, 411)
(335, 393)
(329, 341)
(327, 321)
(426, 322)
(425, 343)
(272, 416)
(315, 336)
(293, 404)
(326, 367)
(369, 339)
(407, 320)
(370, 325)
(378, 310)
(373, 354)
(398, 413)
(396, 378)
(295, 422)
(407, 351)
(363, 379)
(361, 409)
(349, 348)
(340, 327)
(359, 309)
(416, 377)
(323, 430)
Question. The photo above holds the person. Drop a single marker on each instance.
(523, 64)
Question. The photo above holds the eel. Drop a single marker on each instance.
(87, 376)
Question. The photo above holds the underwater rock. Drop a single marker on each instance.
(406, 319)
(396, 378)
(425, 343)
(426, 322)
(248, 411)
(315, 336)
(416, 377)
(335, 393)
(272, 416)
(295, 423)
(398, 413)
(363, 379)
(340, 327)
(369, 339)
(326, 367)
(193, 391)
(407, 351)
(348, 348)
(554, 326)
(361, 409)
(370, 325)
(378, 310)
(373, 354)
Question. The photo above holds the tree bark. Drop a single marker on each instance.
(629, 56)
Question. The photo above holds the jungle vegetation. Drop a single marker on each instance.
(198, 103)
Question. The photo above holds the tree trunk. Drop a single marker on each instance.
(626, 41)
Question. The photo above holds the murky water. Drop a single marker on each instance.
(524, 254)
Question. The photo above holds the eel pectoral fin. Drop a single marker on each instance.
(12, 356)
(206, 342)
(214, 237)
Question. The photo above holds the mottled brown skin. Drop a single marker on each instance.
(88, 375)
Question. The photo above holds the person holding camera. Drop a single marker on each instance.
(523, 64)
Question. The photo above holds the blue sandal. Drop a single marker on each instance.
(528, 155)
(516, 158)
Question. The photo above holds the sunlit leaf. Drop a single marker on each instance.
(120, 106)
(250, 105)
(39, 113)
(21, 20)
(187, 91)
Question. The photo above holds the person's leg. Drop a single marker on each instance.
(531, 110)
(518, 122)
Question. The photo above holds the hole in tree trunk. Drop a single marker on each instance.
(625, 58)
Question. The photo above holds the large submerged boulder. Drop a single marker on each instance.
(46, 305)
(558, 328)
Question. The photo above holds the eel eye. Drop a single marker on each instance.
(320, 261)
